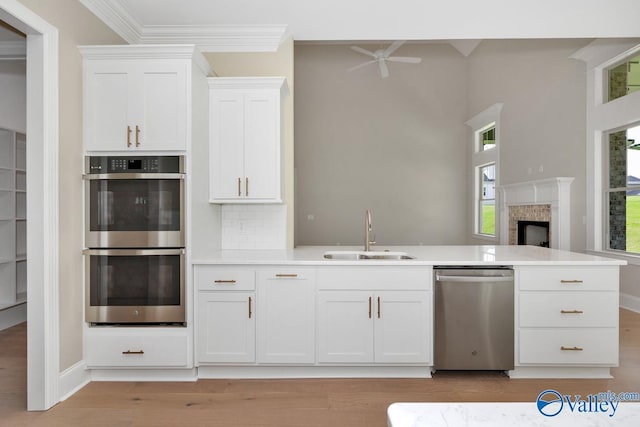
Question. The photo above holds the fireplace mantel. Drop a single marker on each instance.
(555, 192)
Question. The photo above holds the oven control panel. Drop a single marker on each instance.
(128, 164)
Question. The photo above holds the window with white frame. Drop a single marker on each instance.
(613, 133)
(485, 164)
(622, 189)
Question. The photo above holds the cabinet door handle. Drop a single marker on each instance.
(571, 311)
(378, 307)
(250, 312)
(563, 348)
(571, 281)
(133, 352)
(137, 136)
(239, 187)
(287, 275)
(128, 136)
(246, 187)
(369, 307)
(225, 281)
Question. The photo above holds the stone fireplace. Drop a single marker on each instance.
(543, 203)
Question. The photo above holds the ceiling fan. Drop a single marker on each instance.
(381, 56)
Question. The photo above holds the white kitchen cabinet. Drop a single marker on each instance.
(567, 316)
(286, 316)
(245, 139)
(115, 348)
(226, 319)
(375, 314)
(226, 327)
(139, 98)
(374, 327)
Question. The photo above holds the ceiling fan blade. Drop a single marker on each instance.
(409, 59)
(393, 47)
(384, 71)
(364, 51)
(364, 64)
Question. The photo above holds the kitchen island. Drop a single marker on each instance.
(296, 314)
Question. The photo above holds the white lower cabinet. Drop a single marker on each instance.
(286, 316)
(248, 316)
(375, 314)
(226, 327)
(567, 316)
(136, 348)
(374, 327)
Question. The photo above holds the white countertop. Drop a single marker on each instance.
(425, 255)
(507, 414)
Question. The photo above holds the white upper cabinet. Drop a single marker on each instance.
(138, 97)
(245, 139)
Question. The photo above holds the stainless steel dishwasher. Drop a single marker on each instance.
(473, 318)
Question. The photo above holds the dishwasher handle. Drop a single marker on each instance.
(474, 278)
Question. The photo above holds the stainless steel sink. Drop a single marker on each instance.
(366, 255)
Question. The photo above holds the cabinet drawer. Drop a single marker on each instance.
(286, 273)
(568, 278)
(209, 278)
(568, 309)
(375, 278)
(569, 346)
(136, 351)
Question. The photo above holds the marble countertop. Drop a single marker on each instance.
(507, 414)
(424, 255)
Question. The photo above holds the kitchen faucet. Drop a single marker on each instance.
(368, 228)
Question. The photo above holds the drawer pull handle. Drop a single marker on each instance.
(563, 348)
(571, 311)
(571, 281)
(133, 352)
(286, 275)
(225, 281)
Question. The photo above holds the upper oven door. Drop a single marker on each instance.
(129, 210)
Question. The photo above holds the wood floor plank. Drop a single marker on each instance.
(283, 403)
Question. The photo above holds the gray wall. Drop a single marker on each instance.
(543, 118)
(396, 146)
(13, 101)
(400, 147)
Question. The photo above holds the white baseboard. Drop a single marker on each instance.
(630, 302)
(13, 316)
(144, 375)
(73, 379)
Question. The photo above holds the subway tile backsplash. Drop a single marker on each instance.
(254, 226)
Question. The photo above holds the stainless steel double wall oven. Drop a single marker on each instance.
(134, 235)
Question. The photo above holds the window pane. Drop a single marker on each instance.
(624, 78)
(488, 224)
(624, 221)
(488, 139)
(487, 207)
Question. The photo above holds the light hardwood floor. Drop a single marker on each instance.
(316, 402)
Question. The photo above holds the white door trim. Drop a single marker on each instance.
(43, 342)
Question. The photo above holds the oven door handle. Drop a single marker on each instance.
(102, 176)
(133, 252)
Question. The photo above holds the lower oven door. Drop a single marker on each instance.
(135, 286)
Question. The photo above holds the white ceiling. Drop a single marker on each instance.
(218, 21)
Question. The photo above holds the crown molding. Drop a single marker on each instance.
(14, 50)
(219, 38)
(117, 18)
(208, 38)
